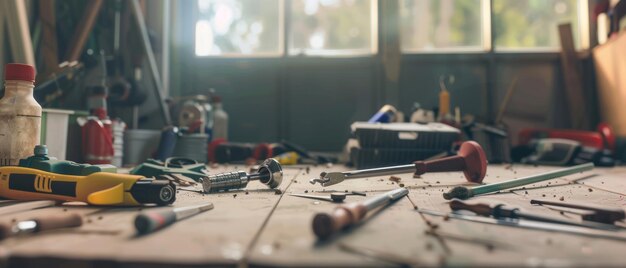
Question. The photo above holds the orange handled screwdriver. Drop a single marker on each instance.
(325, 225)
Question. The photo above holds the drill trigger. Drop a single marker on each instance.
(110, 196)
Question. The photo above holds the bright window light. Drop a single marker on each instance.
(431, 25)
(333, 27)
(239, 28)
(532, 24)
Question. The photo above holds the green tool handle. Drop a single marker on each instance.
(494, 187)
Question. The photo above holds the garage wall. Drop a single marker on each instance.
(312, 101)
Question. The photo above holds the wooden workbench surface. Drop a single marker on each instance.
(261, 227)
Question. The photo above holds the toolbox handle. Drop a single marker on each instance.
(405, 135)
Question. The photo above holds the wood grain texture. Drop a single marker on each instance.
(262, 228)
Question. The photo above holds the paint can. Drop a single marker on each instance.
(192, 146)
(139, 144)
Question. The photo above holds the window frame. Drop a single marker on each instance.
(488, 40)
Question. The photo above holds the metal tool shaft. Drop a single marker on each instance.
(186, 212)
(383, 171)
(528, 224)
(536, 217)
(384, 199)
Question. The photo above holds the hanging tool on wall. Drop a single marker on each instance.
(462, 192)
(40, 177)
(154, 220)
(470, 159)
(40, 224)
(502, 211)
(608, 215)
(156, 77)
(270, 173)
(325, 225)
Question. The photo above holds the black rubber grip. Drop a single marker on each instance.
(148, 222)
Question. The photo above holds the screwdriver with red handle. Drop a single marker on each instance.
(154, 220)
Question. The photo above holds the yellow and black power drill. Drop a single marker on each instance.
(42, 177)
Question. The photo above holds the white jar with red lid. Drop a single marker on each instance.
(20, 114)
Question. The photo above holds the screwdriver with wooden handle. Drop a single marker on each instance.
(40, 224)
(154, 220)
(325, 225)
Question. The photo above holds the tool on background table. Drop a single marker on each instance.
(386, 114)
(604, 138)
(561, 152)
(40, 224)
(269, 173)
(444, 97)
(462, 192)
(196, 115)
(13, 206)
(96, 134)
(333, 197)
(529, 224)
(304, 153)
(502, 211)
(325, 225)
(470, 159)
(494, 140)
(153, 220)
(167, 143)
(221, 151)
(606, 215)
(173, 165)
(288, 158)
(40, 177)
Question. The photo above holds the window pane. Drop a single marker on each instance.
(435, 24)
(533, 23)
(332, 26)
(238, 27)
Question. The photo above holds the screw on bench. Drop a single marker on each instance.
(270, 173)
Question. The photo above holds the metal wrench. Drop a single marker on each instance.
(332, 178)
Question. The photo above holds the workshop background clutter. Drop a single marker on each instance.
(312, 133)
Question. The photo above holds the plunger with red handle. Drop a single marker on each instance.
(470, 159)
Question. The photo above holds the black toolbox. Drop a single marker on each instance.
(385, 144)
